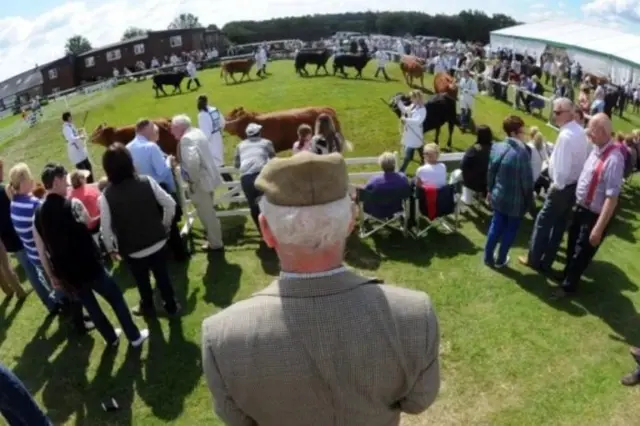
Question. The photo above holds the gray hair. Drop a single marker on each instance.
(387, 162)
(564, 103)
(312, 227)
(181, 120)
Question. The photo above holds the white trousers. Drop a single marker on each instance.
(203, 202)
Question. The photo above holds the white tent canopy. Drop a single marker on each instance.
(599, 50)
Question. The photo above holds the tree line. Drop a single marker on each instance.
(468, 25)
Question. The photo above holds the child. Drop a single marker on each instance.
(304, 139)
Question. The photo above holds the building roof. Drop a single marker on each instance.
(20, 83)
(115, 45)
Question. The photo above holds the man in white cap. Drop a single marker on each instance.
(468, 90)
(252, 154)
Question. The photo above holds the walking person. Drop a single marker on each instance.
(413, 136)
(252, 154)
(510, 191)
(199, 170)
(468, 90)
(16, 402)
(597, 194)
(565, 165)
(149, 160)
(192, 72)
(76, 148)
(212, 123)
(382, 59)
(72, 258)
(135, 216)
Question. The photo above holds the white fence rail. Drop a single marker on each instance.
(234, 194)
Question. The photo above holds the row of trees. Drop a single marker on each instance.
(470, 25)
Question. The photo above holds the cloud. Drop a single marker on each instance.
(617, 12)
(40, 39)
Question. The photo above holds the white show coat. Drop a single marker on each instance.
(76, 149)
(382, 58)
(191, 69)
(212, 123)
(413, 137)
(468, 89)
(440, 65)
(261, 58)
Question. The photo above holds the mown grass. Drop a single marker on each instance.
(510, 355)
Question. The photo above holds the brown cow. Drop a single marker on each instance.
(595, 80)
(280, 127)
(444, 83)
(106, 135)
(229, 68)
(412, 67)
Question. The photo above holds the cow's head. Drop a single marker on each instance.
(444, 83)
(237, 121)
(103, 135)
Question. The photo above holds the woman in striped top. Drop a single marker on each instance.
(23, 206)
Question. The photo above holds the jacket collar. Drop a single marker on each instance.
(316, 286)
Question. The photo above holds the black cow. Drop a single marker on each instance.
(441, 109)
(168, 79)
(317, 57)
(350, 61)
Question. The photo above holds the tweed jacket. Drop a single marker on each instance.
(338, 350)
(510, 178)
(198, 166)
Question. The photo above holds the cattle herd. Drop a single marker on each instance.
(280, 126)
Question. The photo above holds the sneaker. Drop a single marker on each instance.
(144, 335)
(631, 379)
(117, 340)
(503, 264)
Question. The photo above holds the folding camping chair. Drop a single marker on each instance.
(447, 204)
(383, 200)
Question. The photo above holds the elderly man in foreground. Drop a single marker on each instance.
(199, 170)
(321, 345)
(597, 193)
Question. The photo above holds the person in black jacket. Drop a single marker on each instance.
(475, 162)
(72, 258)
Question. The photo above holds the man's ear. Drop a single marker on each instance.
(267, 235)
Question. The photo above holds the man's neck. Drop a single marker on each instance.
(294, 260)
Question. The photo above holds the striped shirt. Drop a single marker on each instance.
(23, 208)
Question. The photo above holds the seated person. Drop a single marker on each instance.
(389, 182)
(305, 133)
(475, 162)
(432, 172)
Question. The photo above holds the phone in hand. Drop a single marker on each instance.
(110, 405)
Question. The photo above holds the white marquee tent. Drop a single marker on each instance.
(599, 50)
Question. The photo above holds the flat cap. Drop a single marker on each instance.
(305, 179)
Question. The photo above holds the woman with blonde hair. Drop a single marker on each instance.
(432, 172)
(326, 139)
(413, 136)
(540, 155)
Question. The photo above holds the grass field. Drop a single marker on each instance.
(510, 355)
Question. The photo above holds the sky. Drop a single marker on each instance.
(35, 31)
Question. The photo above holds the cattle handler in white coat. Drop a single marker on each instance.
(382, 58)
(212, 123)
(412, 136)
(468, 89)
(261, 62)
(76, 147)
(192, 71)
(199, 170)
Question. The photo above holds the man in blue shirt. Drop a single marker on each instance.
(149, 160)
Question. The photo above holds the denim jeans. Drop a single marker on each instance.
(156, 264)
(408, 156)
(549, 227)
(38, 279)
(16, 403)
(248, 183)
(106, 287)
(503, 230)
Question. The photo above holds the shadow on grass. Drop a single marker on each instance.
(7, 317)
(221, 280)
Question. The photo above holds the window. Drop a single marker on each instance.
(113, 55)
(53, 73)
(89, 62)
(138, 49)
(175, 41)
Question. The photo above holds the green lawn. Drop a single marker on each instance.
(510, 355)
